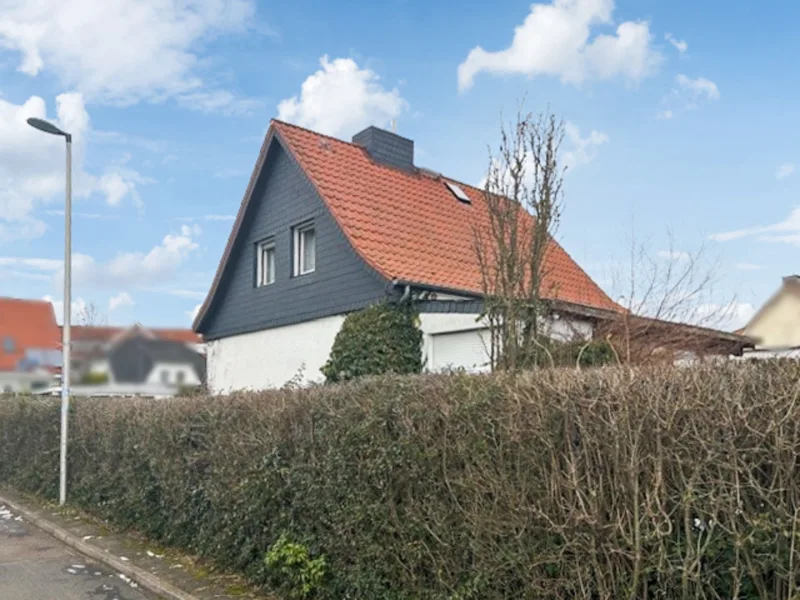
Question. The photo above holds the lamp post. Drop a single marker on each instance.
(42, 125)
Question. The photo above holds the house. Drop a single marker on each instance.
(327, 227)
(775, 327)
(30, 345)
(91, 345)
(155, 362)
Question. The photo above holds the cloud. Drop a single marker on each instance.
(786, 231)
(341, 99)
(556, 40)
(784, 170)
(208, 218)
(82, 215)
(727, 317)
(749, 267)
(229, 173)
(32, 165)
(121, 300)
(584, 149)
(698, 87)
(687, 94)
(219, 101)
(192, 314)
(78, 308)
(119, 51)
(136, 269)
(680, 45)
(674, 255)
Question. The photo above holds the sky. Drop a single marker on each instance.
(681, 121)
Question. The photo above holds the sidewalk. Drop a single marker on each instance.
(189, 578)
(35, 566)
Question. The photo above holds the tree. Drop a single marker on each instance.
(382, 338)
(669, 304)
(88, 315)
(523, 194)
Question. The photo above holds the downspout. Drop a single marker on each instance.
(406, 294)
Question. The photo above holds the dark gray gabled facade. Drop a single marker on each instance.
(282, 199)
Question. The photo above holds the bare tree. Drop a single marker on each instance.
(669, 306)
(523, 195)
(88, 315)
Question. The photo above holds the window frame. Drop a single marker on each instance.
(299, 240)
(263, 247)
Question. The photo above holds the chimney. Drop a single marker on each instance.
(386, 147)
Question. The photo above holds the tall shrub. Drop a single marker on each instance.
(604, 484)
(380, 339)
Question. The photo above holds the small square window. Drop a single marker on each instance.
(265, 267)
(305, 250)
(165, 376)
(8, 345)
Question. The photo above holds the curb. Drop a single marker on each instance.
(145, 580)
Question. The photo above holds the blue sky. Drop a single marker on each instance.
(682, 119)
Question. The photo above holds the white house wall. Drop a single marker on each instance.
(273, 357)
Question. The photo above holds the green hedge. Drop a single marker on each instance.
(603, 484)
(380, 339)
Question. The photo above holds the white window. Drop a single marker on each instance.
(266, 263)
(305, 250)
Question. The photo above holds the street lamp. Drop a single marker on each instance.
(42, 125)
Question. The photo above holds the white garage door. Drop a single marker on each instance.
(461, 350)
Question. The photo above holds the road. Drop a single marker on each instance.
(34, 566)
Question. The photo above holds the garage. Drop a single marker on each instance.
(468, 350)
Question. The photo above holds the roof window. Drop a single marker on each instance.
(458, 192)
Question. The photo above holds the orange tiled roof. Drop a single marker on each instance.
(30, 325)
(409, 226)
(91, 333)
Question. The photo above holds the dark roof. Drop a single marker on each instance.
(133, 359)
(94, 333)
(404, 223)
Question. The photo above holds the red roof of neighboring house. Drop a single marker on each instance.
(91, 333)
(407, 225)
(29, 325)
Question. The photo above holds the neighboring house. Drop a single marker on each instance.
(156, 362)
(91, 345)
(775, 328)
(328, 227)
(30, 345)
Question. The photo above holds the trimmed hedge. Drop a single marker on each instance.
(378, 340)
(603, 484)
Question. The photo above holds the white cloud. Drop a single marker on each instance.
(136, 269)
(219, 101)
(121, 300)
(556, 39)
(208, 218)
(82, 215)
(674, 255)
(786, 231)
(583, 149)
(784, 170)
(687, 94)
(340, 99)
(727, 317)
(749, 267)
(192, 314)
(78, 308)
(32, 164)
(698, 87)
(119, 51)
(680, 45)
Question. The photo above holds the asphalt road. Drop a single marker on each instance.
(34, 566)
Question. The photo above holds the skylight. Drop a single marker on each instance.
(458, 192)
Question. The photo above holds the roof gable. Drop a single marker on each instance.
(29, 325)
(407, 225)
